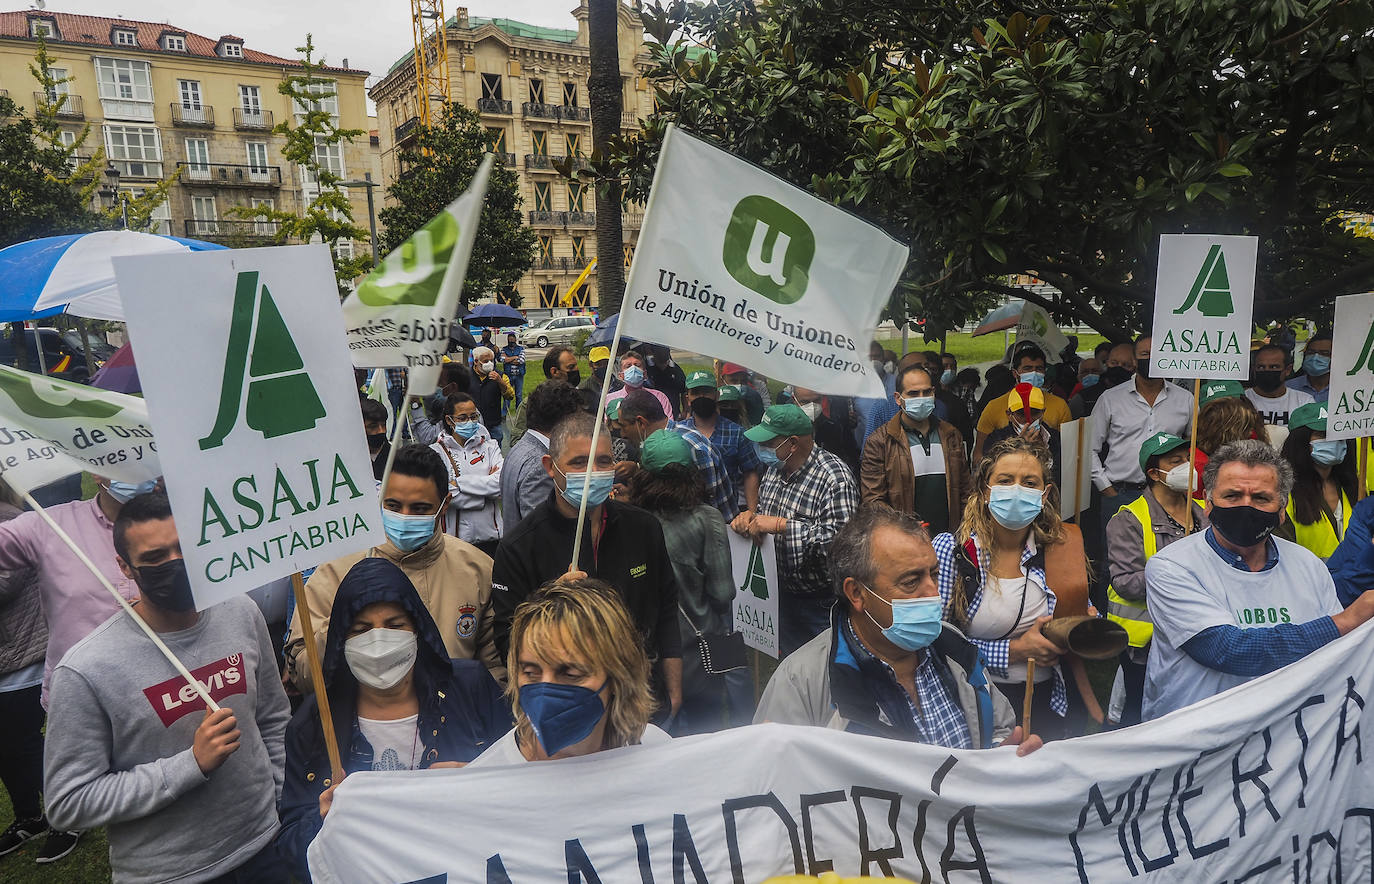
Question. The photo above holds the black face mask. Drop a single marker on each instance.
(1116, 375)
(572, 376)
(1142, 368)
(1244, 526)
(1268, 381)
(167, 586)
(704, 407)
(375, 440)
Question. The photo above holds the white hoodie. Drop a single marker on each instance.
(474, 481)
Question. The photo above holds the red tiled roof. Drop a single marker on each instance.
(92, 30)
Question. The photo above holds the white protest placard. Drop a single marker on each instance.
(736, 263)
(266, 465)
(1272, 781)
(1350, 400)
(756, 592)
(399, 316)
(1038, 327)
(51, 428)
(1204, 301)
(1076, 466)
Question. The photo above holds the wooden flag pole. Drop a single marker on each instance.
(123, 603)
(312, 656)
(1192, 460)
(1030, 692)
(1078, 484)
(1362, 446)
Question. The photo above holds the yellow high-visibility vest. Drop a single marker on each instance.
(1132, 615)
(1321, 537)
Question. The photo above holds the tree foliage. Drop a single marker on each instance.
(1056, 140)
(438, 167)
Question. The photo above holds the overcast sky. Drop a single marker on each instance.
(371, 34)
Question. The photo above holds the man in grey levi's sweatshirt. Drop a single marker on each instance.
(187, 796)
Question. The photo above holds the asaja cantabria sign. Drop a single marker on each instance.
(1350, 400)
(1204, 298)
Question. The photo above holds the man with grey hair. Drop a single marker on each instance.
(492, 388)
(1232, 602)
(888, 665)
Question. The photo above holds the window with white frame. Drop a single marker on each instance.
(231, 50)
(250, 99)
(160, 219)
(204, 215)
(329, 105)
(174, 43)
(262, 226)
(125, 38)
(40, 28)
(330, 159)
(190, 94)
(135, 150)
(197, 159)
(60, 83)
(257, 161)
(126, 88)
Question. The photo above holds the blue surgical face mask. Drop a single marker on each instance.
(562, 715)
(915, 622)
(1015, 506)
(1316, 364)
(598, 489)
(947, 377)
(1034, 378)
(466, 429)
(126, 491)
(1328, 452)
(767, 456)
(633, 376)
(918, 408)
(407, 533)
(1089, 380)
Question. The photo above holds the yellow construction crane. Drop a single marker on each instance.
(431, 57)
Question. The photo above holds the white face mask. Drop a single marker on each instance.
(811, 409)
(487, 366)
(1177, 478)
(380, 658)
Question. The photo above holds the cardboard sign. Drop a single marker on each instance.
(1204, 301)
(756, 592)
(1076, 469)
(261, 437)
(1350, 400)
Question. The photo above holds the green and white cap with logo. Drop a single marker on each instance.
(1311, 415)
(780, 420)
(613, 410)
(698, 379)
(1220, 390)
(1159, 443)
(730, 393)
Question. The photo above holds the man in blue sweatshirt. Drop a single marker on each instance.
(187, 795)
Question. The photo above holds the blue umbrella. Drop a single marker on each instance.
(74, 273)
(604, 333)
(495, 316)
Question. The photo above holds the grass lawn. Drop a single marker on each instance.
(88, 864)
(970, 350)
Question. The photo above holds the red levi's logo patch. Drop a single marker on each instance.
(174, 698)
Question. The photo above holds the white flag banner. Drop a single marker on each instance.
(756, 591)
(735, 263)
(1350, 401)
(1270, 781)
(267, 467)
(1076, 466)
(1204, 301)
(51, 428)
(400, 315)
(1038, 327)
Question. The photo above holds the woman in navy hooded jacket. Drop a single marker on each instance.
(397, 700)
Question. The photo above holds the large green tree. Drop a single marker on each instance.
(438, 166)
(1051, 139)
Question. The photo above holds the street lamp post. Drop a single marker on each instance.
(371, 211)
(110, 193)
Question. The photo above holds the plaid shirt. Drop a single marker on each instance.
(737, 452)
(936, 715)
(816, 501)
(720, 493)
(997, 652)
(396, 379)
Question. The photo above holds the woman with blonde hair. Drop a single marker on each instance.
(993, 582)
(579, 677)
(1228, 418)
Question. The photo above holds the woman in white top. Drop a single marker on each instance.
(992, 577)
(474, 464)
(579, 677)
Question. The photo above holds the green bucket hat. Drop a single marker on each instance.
(664, 447)
(1159, 443)
(1311, 415)
(698, 379)
(780, 420)
(1220, 390)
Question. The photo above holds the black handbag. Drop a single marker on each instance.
(719, 653)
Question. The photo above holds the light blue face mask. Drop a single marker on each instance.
(1089, 380)
(127, 491)
(918, 408)
(466, 429)
(1034, 378)
(633, 376)
(598, 488)
(1015, 506)
(947, 377)
(1316, 364)
(767, 456)
(407, 533)
(1328, 452)
(915, 622)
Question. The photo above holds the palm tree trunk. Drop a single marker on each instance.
(604, 95)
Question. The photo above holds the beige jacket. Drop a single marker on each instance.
(453, 579)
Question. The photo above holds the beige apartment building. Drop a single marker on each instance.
(160, 99)
(530, 86)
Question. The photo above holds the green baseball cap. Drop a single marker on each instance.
(664, 447)
(1311, 415)
(1159, 443)
(1220, 390)
(780, 420)
(699, 379)
(729, 393)
(613, 410)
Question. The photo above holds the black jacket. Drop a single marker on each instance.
(462, 710)
(489, 402)
(631, 556)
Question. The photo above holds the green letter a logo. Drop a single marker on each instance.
(1366, 359)
(756, 577)
(281, 398)
(1211, 290)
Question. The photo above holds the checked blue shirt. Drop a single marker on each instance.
(736, 452)
(720, 491)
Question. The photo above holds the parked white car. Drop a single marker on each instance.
(558, 330)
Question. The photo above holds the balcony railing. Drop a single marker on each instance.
(493, 106)
(574, 114)
(567, 112)
(71, 109)
(540, 161)
(507, 159)
(406, 130)
(252, 120)
(202, 117)
(547, 219)
(230, 175)
(217, 228)
(631, 219)
(629, 121)
(557, 264)
(581, 219)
